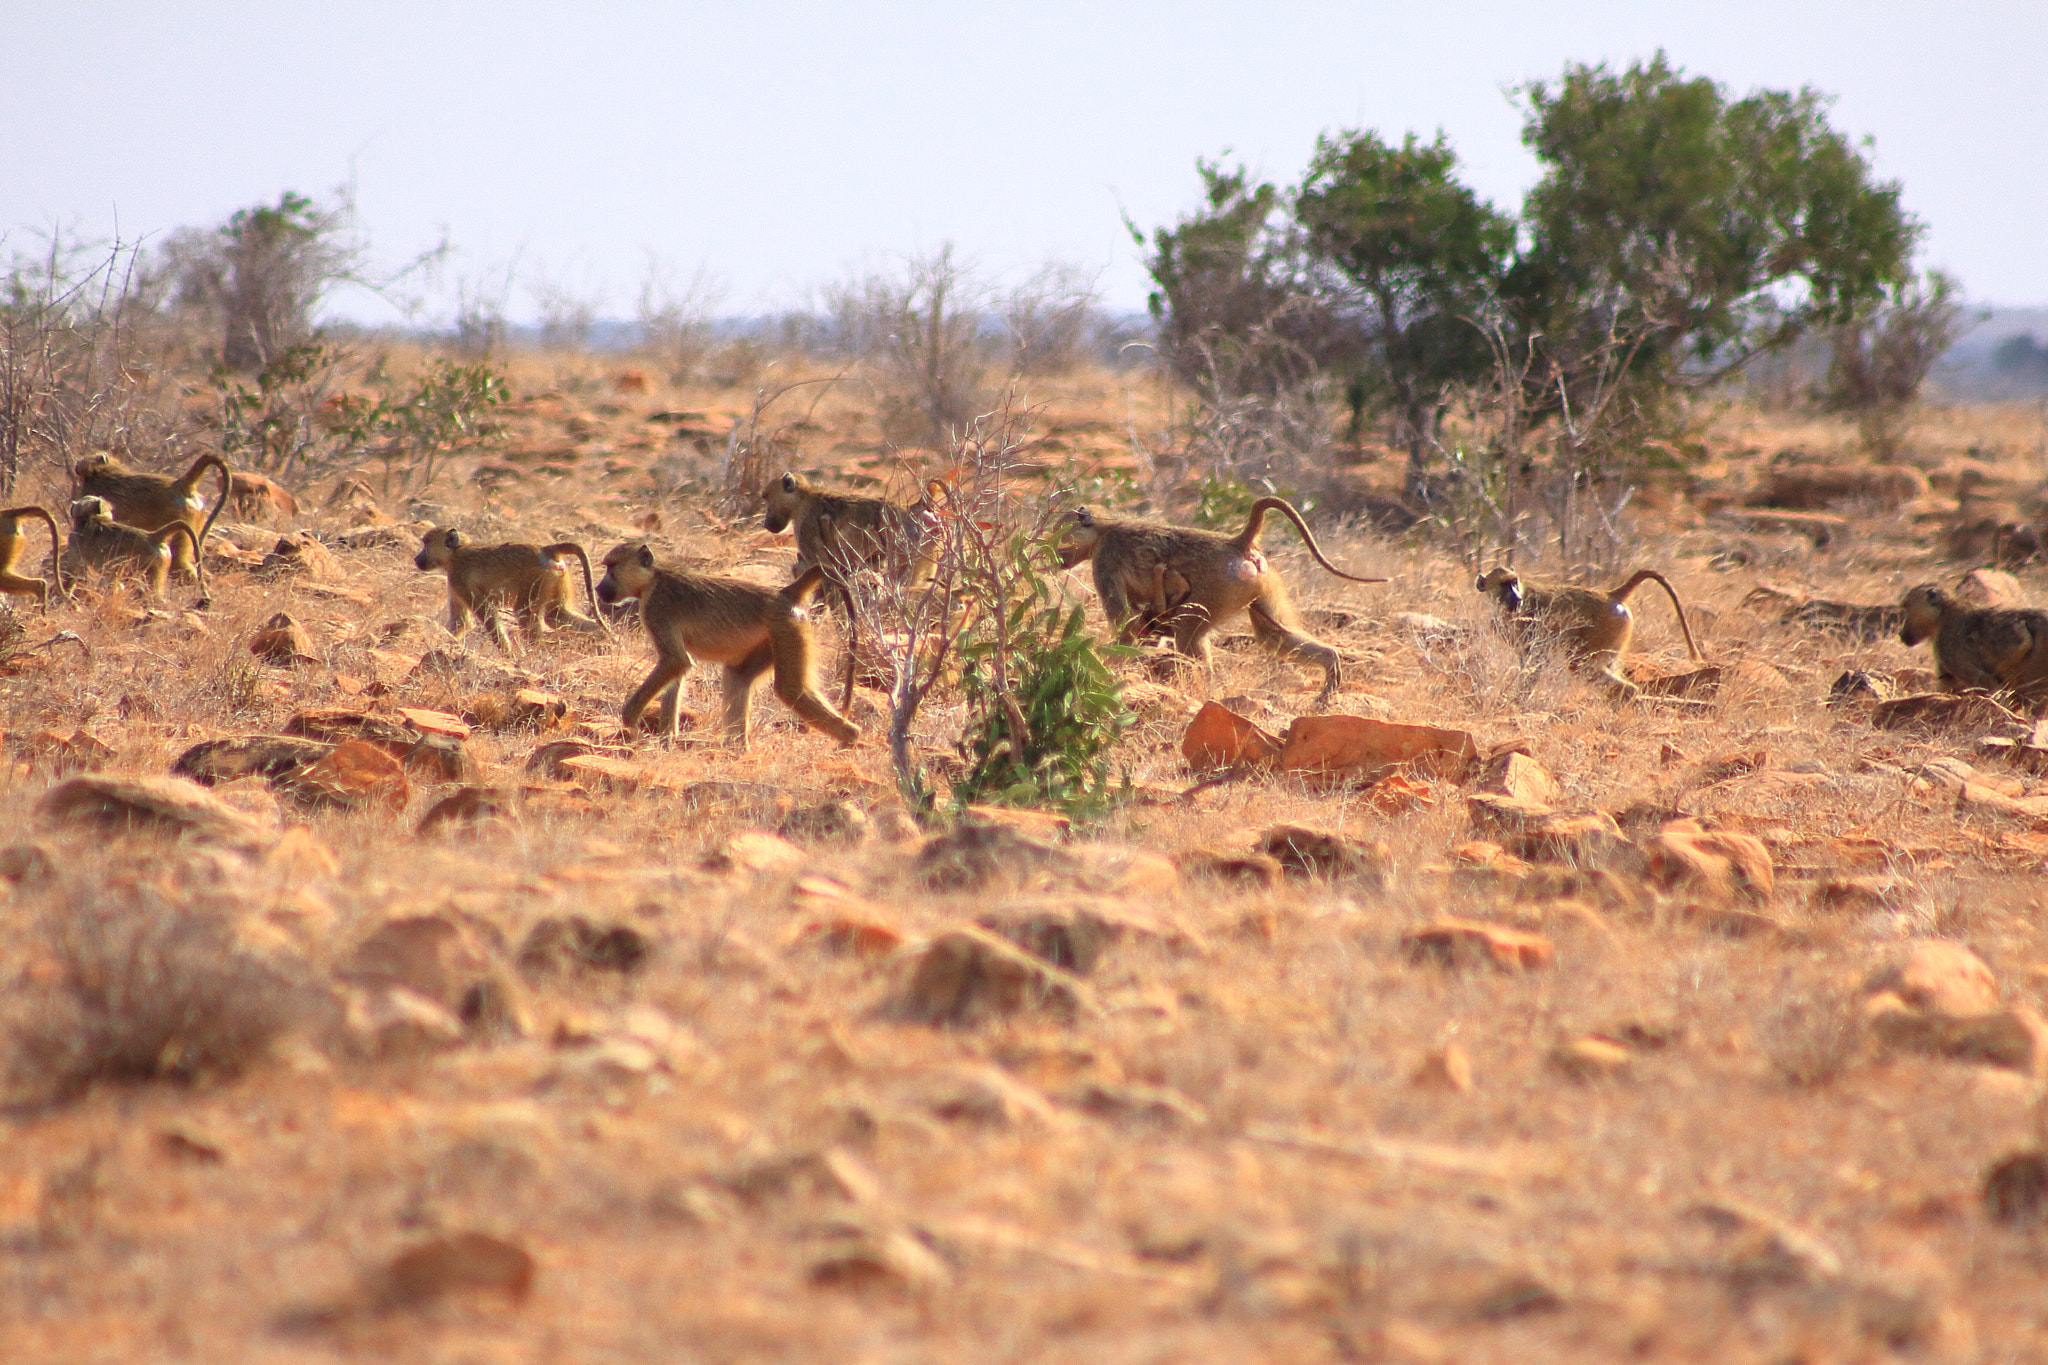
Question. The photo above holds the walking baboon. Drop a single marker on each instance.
(744, 626)
(486, 580)
(870, 533)
(1595, 627)
(150, 502)
(97, 541)
(1149, 574)
(13, 542)
(1980, 649)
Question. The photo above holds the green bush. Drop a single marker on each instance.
(1044, 708)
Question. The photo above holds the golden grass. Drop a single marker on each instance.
(1227, 1162)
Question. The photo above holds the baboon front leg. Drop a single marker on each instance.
(667, 677)
(458, 614)
(1288, 643)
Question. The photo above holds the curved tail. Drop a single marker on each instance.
(1621, 593)
(799, 589)
(227, 488)
(56, 546)
(1249, 537)
(570, 547)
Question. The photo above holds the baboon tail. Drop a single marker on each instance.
(799, 590)
(1621, 593)
(570, 547)
(227, 488)
(1250, 535)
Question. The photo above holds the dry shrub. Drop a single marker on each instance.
(149, 988)
(1810, 1040)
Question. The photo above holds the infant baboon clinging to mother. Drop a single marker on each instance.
(1152, 575)
(744, 626)
(1595, 627)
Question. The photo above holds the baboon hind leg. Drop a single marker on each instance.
(852, 648)
(1271, 630)
(1605, 668)
(183, 566)
(793, 686)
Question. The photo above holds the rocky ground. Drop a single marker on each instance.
(1700, 1029)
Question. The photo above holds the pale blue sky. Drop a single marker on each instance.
(782, 145)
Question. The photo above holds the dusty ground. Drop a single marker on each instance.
(1213, 1147)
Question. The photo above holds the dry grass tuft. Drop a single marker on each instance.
(148, 987)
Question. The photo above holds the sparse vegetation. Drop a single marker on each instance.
(1479, 1018)
(149, 988)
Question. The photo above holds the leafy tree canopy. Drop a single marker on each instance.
(1719, 227)
(1410, 254)
(1676, 231)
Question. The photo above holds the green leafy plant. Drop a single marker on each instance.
(273, 423)
(1222, 500)
(1044, 707)
(448, 409)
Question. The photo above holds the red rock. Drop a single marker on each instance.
(1453, 942)
(1717, 868)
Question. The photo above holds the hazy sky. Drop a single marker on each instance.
(782, 145)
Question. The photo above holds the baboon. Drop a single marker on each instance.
(1980, 649)
(729, 621)
(871, 533)
(1152, 575)
(150, 502)
(255, 496)
(97, 541)
(13, 543)
(486, 580)
(1596, 627)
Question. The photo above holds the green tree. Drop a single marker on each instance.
(1409, 255)
(264, 271)
(1694, 228)
(1234, 310)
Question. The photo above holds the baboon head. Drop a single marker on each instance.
(783, 497)
(1083, 534)
(437, 548)
(1504, 584)
(628, 570)
(91, 511)
(101, 464)
(1925, 606)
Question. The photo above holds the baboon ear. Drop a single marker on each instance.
(1083, 517)
(646, 557)
(1481, 581)
(789, 483)
(454, 539)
